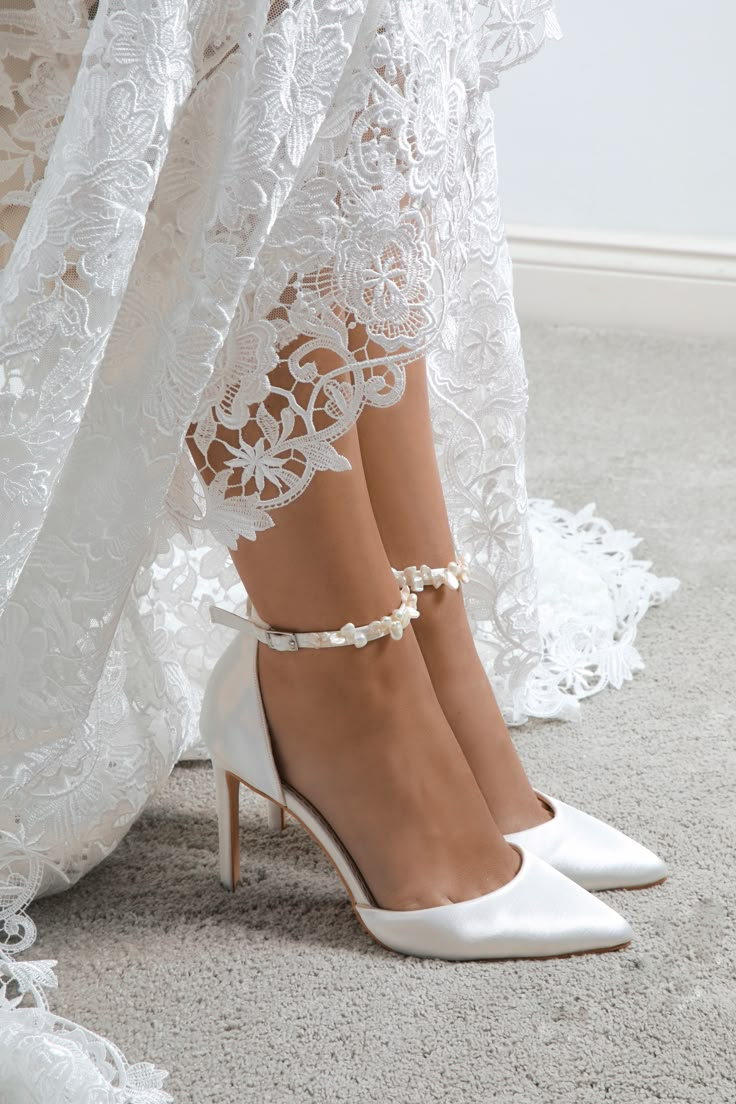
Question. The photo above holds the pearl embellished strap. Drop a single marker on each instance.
(392, 625)
(417, 578)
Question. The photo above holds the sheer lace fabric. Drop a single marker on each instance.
(202, 201)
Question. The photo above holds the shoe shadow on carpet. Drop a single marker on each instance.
(163, 877)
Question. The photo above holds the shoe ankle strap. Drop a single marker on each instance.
(417, 578)
(393, 625)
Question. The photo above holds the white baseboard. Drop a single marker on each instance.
(631, 281)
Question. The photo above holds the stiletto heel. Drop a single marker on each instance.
(276, 817)
(538, 914)
(585, 849)
(227, 790)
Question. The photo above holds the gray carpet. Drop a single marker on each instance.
(275, 995)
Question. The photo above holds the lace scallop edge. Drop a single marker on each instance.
(51, 1056)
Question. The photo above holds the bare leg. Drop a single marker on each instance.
(360, 732)
(408, 503)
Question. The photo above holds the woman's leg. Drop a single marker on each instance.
(406, 494)
(360, 732)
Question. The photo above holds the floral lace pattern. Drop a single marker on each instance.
(42, 1056)
(592, 594)
(236, 221)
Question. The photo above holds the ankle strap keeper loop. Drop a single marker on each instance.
(393, 625)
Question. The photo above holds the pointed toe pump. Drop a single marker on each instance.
(585, 849)
(589, 851)
(538, 914)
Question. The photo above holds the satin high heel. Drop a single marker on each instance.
(585, 849)
(589, 851)
(538, 914)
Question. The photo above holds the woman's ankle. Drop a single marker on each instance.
(467, 699)
(361, 735)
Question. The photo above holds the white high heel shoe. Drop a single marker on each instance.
(538, 914)
(589, 851)
(585, 849)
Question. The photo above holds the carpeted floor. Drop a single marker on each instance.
(274, 995)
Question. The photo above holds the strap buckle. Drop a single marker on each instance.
(281, 641)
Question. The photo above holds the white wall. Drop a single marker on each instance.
(617, 160)
(627, 124)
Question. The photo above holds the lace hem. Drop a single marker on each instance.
(44, 1057)
(592, 595)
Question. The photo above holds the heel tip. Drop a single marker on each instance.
(276, 818)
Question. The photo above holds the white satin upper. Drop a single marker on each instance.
(588, 851)
(538, 913)
(233, 722)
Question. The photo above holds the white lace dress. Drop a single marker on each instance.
(196, 196)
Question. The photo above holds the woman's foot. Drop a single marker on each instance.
(360, 734)
(462, 689)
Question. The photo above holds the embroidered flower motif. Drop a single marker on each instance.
(383, 271)
(229, 518)
(160, 44)
(44, 94)
(293, 65)
(433, 128)
(259, 462)
(512, 31)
